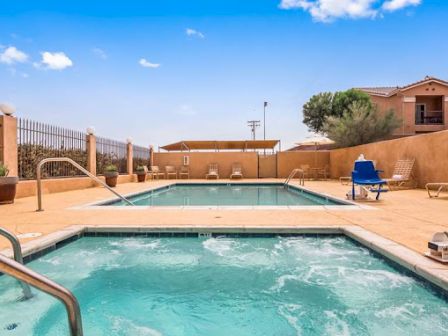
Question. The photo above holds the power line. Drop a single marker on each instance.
(253, 124)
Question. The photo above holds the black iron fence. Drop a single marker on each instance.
(37, 141)
(110, 152)
(140, 156)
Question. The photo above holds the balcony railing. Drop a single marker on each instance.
(430, 118)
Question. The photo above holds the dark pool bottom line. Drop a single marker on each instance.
(175, 234)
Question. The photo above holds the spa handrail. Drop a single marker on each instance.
(76, 165)
(18, 257)
(294, 173)
(23, 273)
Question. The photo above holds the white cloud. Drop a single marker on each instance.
(329, 10)
(393, 5)
(194, 32)
(13, 55)
(146, 64)
(100, 53)
(54, 61)
(186, 110)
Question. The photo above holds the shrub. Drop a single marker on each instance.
(110, 168)
(4, 171)
(360, 124)
(31, 154)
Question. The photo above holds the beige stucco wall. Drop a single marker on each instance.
(267, 166)
(29, 188)
(429, 150)
(199, 162)
(287, 161)
(395, 103)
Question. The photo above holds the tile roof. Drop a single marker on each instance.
(387, 91)
(382, 91)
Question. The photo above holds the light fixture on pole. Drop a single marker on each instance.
(264, 119)
(264, 122)
(90, 130)
(7, 109)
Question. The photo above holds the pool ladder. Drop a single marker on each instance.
(27, 277)
(293, 173)
(79, 167)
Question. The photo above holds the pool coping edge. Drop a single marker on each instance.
(345, 204)
(430, 270)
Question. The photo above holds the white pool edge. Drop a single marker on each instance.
(347, 205)
(418, 264)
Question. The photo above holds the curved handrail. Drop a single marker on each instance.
(18, 257)
(22, 273)
(294, 173)
(76, 165)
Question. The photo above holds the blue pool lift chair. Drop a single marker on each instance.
(365, 174)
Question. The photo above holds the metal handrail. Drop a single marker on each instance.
(18, 257)
(22, 273)
(76, 165)
(292, 174)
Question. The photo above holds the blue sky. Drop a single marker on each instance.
(161, 71)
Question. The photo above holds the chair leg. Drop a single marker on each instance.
(438, 191)
(379, 192)
(353, 191)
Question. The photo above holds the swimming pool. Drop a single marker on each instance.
(227, 285)
(229, 194)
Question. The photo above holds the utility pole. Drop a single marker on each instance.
(253, 124)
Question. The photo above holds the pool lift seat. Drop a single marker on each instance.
(438, 247)
(367, 177)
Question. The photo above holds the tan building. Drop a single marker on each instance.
(422, 106)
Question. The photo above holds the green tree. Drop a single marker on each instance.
(344, 99)
(361, 123)
(327, 104)
(316, 110)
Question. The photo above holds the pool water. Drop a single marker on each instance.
(228, 195)
(304, 285)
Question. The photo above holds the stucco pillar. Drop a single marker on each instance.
(91, 153)
(8, 144)
(151, 156)
(130, 158)
(409, 115)
(445, 111)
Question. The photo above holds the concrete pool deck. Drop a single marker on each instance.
(407, 217)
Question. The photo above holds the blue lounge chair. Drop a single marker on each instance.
(365, 174)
